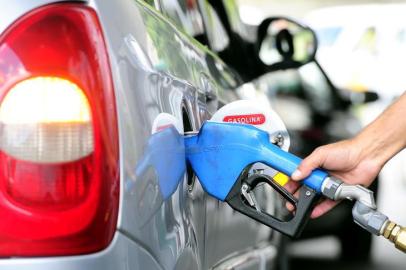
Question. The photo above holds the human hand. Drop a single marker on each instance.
(349, 160)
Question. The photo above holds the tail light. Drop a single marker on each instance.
(58, 135)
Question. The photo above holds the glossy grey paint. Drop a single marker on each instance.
(156, 69)
(121, 254)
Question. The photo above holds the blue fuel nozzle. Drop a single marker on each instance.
(221, 155)
(221, 151)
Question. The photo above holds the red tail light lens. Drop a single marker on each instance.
(59, 180)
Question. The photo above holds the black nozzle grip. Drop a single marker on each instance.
(293, 227)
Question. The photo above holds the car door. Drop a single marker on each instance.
(232, 233)
(157, 70)
(217, 81)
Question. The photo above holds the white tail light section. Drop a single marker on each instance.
(46, 120)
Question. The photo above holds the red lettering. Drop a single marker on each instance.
(251, 119)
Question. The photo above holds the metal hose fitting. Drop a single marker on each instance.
(364, 211)
(368, 218)
(396, 234)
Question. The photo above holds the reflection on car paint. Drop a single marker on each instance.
(165, 156)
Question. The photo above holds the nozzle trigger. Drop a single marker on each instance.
(241, 198)
(245, 191)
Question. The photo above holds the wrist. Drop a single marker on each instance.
(375, 147)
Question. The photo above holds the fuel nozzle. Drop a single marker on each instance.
(242, 134)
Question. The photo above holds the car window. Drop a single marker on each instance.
(234, 18)
(216, 33)
(316, 88)
(307, 83)
(151, 2)
(185, 14)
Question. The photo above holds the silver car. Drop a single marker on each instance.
(84, 86)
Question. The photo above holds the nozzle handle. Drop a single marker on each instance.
(291, 227)
(287, 163)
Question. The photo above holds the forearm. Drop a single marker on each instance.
(386, 136)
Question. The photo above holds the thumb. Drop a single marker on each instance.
(313, 161)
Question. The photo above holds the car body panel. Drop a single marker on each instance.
(158, 69)
(121, 253)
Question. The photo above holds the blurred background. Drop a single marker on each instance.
(360, 70)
